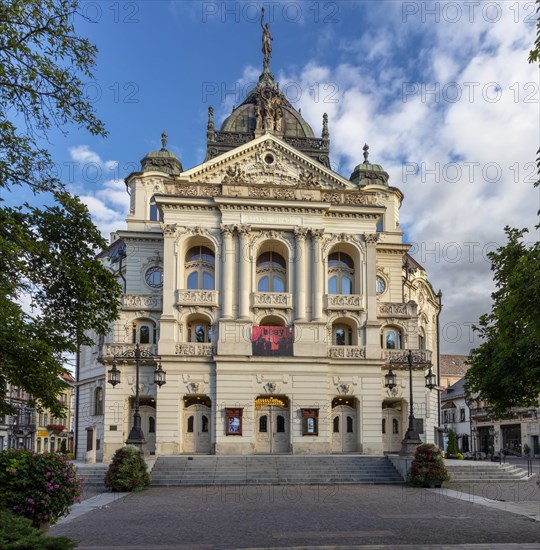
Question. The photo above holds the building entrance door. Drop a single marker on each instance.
(196, 428)
(344, 425)
(272, 425)
(392, 431)
(148, 425)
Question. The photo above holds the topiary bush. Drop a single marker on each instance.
(18, 533)
(452, 449)
(41, 487)
(127, 471)
(427, 468)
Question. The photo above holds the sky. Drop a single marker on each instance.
(441, 91)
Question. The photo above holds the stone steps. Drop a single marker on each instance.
(93, 475)
(294, 469)
(485, 472)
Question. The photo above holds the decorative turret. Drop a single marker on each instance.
(267, 110)
(210, 129)
(162, 160)
(369, 174)
(325, 133)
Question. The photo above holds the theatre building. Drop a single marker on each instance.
(272, 291)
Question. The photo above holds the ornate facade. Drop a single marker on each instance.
(274, 291)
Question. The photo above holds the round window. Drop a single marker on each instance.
(154, 277)
(269, 158)
(380, 285)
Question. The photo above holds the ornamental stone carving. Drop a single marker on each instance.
(399, 358)
(389, 309)
(281, 300)
(307, 179)
(198, 350)
(227, 229)
(131, 301)
(197, 298)
(301, 232)
(317, 234)
(234, 175)
(346, 352)
(344, 301)
(371, 238)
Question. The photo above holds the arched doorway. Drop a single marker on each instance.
(344, 425)
(147, 410)
(196, 424)
(272, 424)
(392, 426)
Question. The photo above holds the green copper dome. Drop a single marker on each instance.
(369, 174)
(162, 160)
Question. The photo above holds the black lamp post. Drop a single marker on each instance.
(412, 438)
(136, 435)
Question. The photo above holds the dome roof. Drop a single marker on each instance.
(162, 160)
(369, 174)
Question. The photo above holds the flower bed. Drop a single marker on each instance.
(427, 468)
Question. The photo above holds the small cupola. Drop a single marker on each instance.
(369, 174)
(162, 160)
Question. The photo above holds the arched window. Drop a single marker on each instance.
(144, 332)
(271, 272)
(421, 339)
(200, 331)
(340, 273)
(190, 421)
(395, 426)
(152, 425)
(98, 401)
(392, 339)
(155, 214)
(200, 268)
(263, 424)
(349, 425)
(280, 424)
(336, 425)
(342, 335)
(204, 424)
(384, 425)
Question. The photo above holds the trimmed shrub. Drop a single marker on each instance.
(17, 532)
(452, 449)
(428, 466)
(41, 487)
(127, 471)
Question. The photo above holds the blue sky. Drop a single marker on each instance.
(441, 91)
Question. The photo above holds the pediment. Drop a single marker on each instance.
(266, 161)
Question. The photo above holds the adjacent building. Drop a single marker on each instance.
(273, 291)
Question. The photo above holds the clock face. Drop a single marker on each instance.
(154, 277)
(380, 285)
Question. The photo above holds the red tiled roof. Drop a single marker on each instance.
(453, 365)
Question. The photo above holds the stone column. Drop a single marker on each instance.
(317, 275)
(227, 271)
(373, 343)
(300, 272)
(244, 271)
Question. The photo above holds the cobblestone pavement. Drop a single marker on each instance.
(507, 491)
(297, 516)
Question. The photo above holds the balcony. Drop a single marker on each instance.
(127, 350)
(140, 302)
(401, 355)
(195, 349)
(205, 298)
(349, 302)
(346, 352)
(277, 300)
(396, 309)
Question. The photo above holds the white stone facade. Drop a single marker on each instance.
(240, 205)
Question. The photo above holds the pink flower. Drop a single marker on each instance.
(14, 471)
(30, 500)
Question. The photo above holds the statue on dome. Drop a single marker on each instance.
(266, 42)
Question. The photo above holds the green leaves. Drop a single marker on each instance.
(54, 293)
(505, 369)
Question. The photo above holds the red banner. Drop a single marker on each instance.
(272, 340)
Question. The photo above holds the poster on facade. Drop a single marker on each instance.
(277, 341)
(233, 425)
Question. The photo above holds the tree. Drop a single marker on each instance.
(47, 252)
(505, 368)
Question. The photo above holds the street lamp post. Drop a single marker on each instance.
(412, 438)
(136, 435)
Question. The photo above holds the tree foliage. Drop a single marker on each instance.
(505, 368)
(53, 290)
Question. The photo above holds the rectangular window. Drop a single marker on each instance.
(89, 439)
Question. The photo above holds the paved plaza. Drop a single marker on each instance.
(293, 516)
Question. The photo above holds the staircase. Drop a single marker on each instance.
(468, 472)
(172, 471)
(92, 475)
